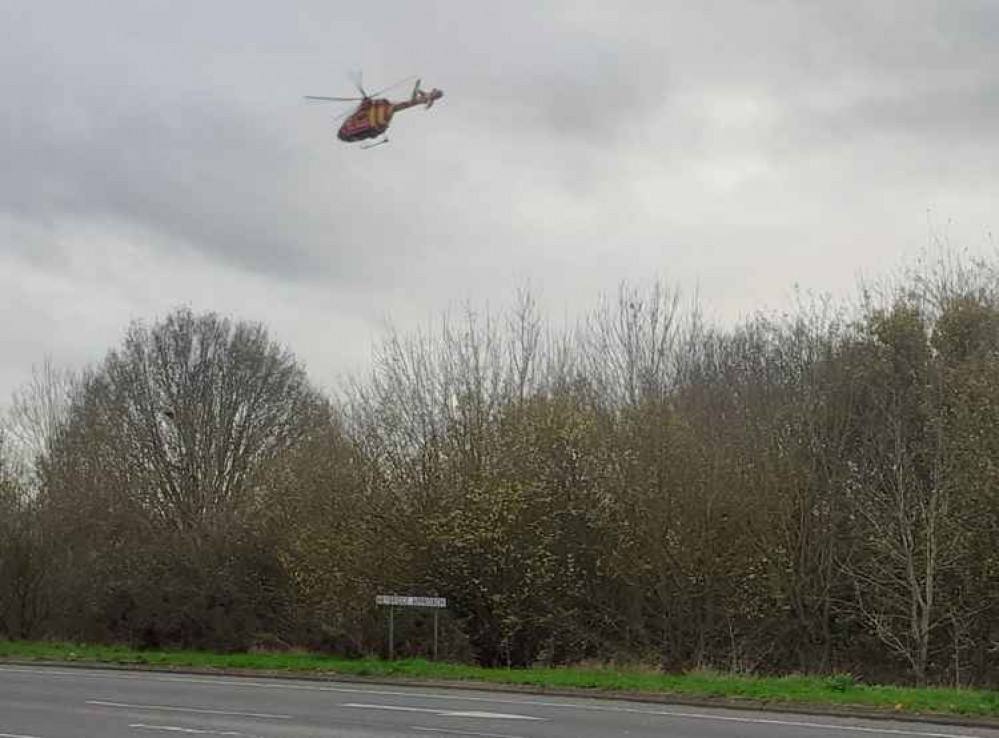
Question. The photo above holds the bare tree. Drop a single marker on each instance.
(194, 408)
(901, 489)
(24, 560)
(630, 344)
(159, 487)
(37, 410)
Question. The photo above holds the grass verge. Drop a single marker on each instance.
(839, 690)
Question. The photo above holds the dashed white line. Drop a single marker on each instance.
(444, 713)
(395, 708)
(15, 735)
(194, 731)
(173, 708)
(464, 732)
(489, 715)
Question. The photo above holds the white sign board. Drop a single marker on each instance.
(405, 601)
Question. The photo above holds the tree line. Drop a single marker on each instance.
(815, 491)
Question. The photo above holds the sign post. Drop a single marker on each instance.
(391, 633)
(394, 601)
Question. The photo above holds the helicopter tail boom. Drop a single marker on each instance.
(421, 97)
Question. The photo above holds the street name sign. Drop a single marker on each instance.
(406, 601)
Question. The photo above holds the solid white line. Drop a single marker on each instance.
(188, 709)
(152, 676)
(15, 735)
(464, 732)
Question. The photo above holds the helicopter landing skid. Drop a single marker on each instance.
(377, 143)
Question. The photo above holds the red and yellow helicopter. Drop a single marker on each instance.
(371, 118)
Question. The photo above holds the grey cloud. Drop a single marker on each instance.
(204, 174)
(951, 116)
(578, 144)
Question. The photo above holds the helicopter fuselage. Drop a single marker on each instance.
(370, 120)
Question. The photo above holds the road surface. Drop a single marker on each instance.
(53, 702)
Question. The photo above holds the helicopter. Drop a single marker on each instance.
(371, 118)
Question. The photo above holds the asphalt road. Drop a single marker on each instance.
(52, 702)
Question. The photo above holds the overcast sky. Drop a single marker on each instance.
(157, 154)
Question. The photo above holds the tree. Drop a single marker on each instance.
(966, 342)
(38, 409)
(24, 564)
(901, 489)
(162, 475)
(193, 409)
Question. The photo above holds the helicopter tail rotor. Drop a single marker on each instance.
(427, 98)
(432, 96)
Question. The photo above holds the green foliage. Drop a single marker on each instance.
(839, 682)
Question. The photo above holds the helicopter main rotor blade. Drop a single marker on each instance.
(318, 98)
(338, 118)
(394, 85)
(357, 77)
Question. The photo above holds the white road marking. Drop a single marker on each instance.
(490, 715)
(444, 713)
(397, 708)
(464, 732)
(128, 705)
(15, 735)
(178, 729)
(152, 676)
